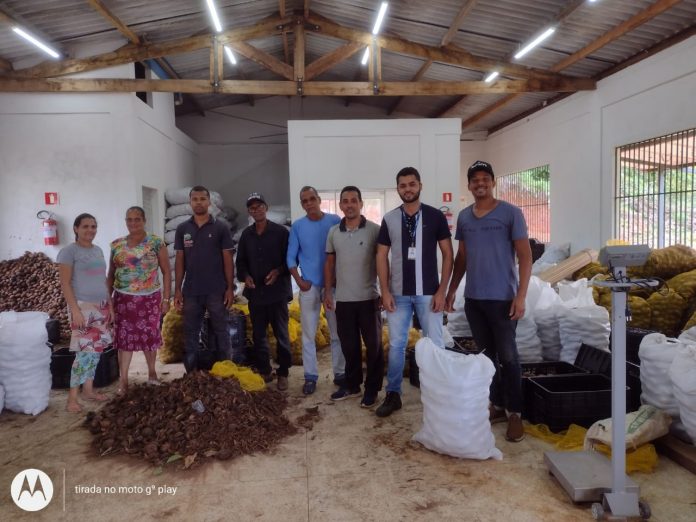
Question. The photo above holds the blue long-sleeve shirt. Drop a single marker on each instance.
(307, 246)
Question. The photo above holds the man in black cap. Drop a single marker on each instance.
(490, 233)
(262, 267)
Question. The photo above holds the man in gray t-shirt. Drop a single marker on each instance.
(351, 247)
(490, 232)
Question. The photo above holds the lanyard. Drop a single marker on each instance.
(411, 224)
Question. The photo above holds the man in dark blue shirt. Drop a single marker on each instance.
(261, 265)
(205, 268)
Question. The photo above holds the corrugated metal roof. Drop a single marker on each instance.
(493, 29)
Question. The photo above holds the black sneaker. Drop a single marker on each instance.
(369, 400)
(344, 393)
(340, 380)
(391, 403)
(309, 387)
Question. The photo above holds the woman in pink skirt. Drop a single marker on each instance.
(139, 298)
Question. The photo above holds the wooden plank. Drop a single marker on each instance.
(99, 6)
(283, 87)
(306, 8)
(299, 61)
(680, 452)
(378, 64)
(220, 50)
(130, 53)
(635, 21)
(264, 59)
(437, 54)
(281, 8)
(464, 10)
(329, 60)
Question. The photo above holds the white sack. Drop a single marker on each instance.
(545, 314)
(457, 323)
(527, 340)
(177, 196)
(642, 426)
(682, 371)
(25, 361)
(170, 250)
(581, 321)
(169, 237)
(656, 354)
(551, 257)
(171, 224)
(185, 210)
(454, 392)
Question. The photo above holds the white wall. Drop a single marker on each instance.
(577, 138)
(95, 150)
(333, 153)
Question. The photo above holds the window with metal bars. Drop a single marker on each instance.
(655, 194)
(529, 190)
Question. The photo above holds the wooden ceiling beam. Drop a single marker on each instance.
(635, 21)
(299, 55)
(99, 6)
(131, 53)
(5, 66)
(264, 59)
(444, 55)
(329, 60)
(289, 87)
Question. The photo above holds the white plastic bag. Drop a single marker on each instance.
(25, 361)
(457, 323)
(177, 196)
(454, 392)
(656, 353)
(682, 371)
(545, 315)
(581, 321)
(528, 342)
(169, 237)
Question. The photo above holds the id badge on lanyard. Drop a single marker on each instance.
(411, 253)
(412, 228)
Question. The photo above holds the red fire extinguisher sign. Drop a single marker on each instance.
(49, 227)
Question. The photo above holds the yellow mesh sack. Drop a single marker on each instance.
(644, 458)
(172, 348)
(248, 380)
(667, 311)
(684, 284)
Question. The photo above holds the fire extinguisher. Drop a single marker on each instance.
(49, 227)
(449, 216)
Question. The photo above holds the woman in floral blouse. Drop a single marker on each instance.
(139, 298)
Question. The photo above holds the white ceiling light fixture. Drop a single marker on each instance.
(214, 16)
(230, 56)
(45, 48)
(491, 76)
(531, 45)
(380, 17)
(366, 56)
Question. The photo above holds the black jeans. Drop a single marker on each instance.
(275, 314)
(194, 311)
(494, 332)
(356, 319)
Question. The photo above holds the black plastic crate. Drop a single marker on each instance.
(594, 360)
(62, 361)
(53, 330)
(542, 369)
(599, 362)
(634, 336)
(413, 376)
(571, 399)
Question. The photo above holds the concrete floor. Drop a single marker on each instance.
(351, 466)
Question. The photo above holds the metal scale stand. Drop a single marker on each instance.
(587, 476)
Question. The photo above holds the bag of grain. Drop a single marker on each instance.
(683, 374)
(656, 352)
(454, 392)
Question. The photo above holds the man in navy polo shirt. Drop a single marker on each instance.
(205, 267)
(414, 231)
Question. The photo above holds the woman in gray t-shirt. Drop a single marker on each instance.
(82, 270)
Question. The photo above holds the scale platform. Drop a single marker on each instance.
(585, 475)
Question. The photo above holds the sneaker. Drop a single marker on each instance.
(391, 403)
(496, 415)
(369, 399)
(309, 387)
(344, 393)
(282, 383)
(340, 379)
(515, 429)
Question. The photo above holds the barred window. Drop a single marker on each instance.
(529, 190)
(655, 191)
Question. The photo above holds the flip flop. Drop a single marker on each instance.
(74, 409)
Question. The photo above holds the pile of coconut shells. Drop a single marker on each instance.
(192, 419)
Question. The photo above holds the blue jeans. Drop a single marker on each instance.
(399, 323)
(310, 310)
(495, 333)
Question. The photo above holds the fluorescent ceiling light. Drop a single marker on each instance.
(531, 45)
(366, 56)
(45, 48)
(380, 17)
(491, 76)
(230, 55)
(214, 16)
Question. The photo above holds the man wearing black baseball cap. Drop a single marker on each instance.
(490, 233)
(261, 266)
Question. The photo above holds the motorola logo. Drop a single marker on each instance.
(32, 489)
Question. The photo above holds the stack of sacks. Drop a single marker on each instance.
(657, 352)
(25, 361)
(528, 343)
(581, 321)
(545, 314)
(551, 257)
(683, 375)
(451, 425)
(457, 323)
